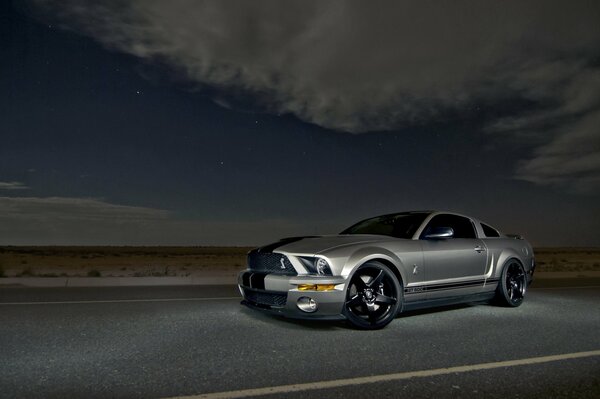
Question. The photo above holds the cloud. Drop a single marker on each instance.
(64, 208)
(571, 158)
(358, 66)
(13, 185)
(85, 221)
(66, 221)
(567, 130)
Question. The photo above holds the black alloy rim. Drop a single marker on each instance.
(515, 283)
(371, 295)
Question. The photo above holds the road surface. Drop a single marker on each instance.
(156, 342)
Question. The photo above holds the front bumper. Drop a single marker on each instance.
(279, 294)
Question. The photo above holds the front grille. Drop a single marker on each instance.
(270, 262)
(265, 298)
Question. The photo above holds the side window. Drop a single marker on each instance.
(489, 231)
(463, 228)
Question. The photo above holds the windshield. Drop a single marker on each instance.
(399, 225)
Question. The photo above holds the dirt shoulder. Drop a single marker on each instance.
(61, 261)
(120, 261)
(567, 259)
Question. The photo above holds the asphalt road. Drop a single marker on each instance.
(129, 342)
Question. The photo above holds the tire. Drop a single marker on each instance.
(512, 286)
(373, 297)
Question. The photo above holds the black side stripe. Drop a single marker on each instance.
(448, 286)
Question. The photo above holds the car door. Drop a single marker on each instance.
(454, 265)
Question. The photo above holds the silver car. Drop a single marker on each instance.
(388, 264)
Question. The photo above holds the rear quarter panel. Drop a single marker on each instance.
(501, 249)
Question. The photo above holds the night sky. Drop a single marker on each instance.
(240, 122)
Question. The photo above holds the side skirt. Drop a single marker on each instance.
(431, 303)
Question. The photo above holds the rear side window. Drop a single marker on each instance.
(489, 231)
(463, 228)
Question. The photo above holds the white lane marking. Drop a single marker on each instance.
(123, 301)
(311, 386)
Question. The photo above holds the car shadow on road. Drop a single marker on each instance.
(329, 325)
(322, 325)
(440, 309)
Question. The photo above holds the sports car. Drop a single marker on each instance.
(387, 264)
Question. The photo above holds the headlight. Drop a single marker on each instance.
(316, 265)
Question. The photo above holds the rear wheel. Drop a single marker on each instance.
(513, 285)
(373, 297)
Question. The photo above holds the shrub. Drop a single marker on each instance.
(26, 273)
(94, 273)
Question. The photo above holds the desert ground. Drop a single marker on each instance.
(113, 261)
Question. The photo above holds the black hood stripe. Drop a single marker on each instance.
(280, 243)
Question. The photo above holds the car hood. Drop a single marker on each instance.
(314, 245)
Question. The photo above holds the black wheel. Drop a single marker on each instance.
(373, 297)
(512, 286)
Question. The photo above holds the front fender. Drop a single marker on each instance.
(363, 255)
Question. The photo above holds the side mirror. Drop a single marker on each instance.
(440, 232)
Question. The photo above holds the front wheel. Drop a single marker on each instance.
(512, 286)
(373, 297)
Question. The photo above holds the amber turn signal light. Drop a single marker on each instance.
(316, 287)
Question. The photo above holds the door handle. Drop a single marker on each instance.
(479, 249)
